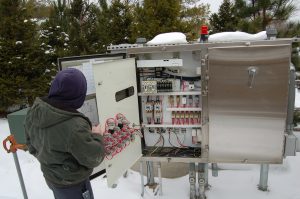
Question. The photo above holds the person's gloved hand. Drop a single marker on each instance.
(97, 129)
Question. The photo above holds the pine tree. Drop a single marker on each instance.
(38, 9)
(153, 17)
(82, 27)
(120, 20)
(225, 20)
(256, 15)
(53, 32)
(59, 14)
(72, 29)
(25, 70)
(102, 27)
(193, 16)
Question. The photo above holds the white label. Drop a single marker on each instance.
(198, 70)
(194, 132)
(183, 100)
(199, 135)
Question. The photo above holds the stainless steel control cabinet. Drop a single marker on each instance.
(244, 100)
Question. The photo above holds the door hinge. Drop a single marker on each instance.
(205, 120)
(203, 62)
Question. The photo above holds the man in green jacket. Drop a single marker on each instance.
(62, 139)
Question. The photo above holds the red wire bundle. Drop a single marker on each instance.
(117, 135)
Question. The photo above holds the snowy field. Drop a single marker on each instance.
(235, 181)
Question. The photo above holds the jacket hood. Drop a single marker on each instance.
(69, 88)
(43, 115)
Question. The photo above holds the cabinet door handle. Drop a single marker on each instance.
(252, 71)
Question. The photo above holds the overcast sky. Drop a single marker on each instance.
(215, 4)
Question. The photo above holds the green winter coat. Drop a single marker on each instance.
(63, 143)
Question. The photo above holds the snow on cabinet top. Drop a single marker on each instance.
(237, 36)
(180, 38)
(168, 38)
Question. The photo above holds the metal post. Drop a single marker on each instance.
(150, 173)
(20, 175)
(159, 178)
(142, 178)
(214, 169)
(202, 180)
(290, 138)
(203, 167)
(263, 181)
(125, 175)
(192, 179)
(291, 102)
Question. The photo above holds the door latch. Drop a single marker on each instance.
(252, 71)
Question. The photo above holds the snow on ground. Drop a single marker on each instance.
(233, 182)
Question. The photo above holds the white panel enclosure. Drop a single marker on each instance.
(111, 77)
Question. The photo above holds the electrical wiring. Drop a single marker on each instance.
(112, 120)
(176, 152)
(184, 136)
(177, 108)
(161, 137)
(169, 132)
(118, 135)
(178, 140)
(197, 78)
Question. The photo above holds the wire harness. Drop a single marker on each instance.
(118, 135)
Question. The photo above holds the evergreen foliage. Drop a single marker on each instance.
(58, 15)
(154, 17)
(225, 20)
(120, 19)
(38, 9)
(296, 119)
(53, 32)
(25, 70)
(256, 15)
(82, 27)
(193, 16)
(102, 27)
(291, 29)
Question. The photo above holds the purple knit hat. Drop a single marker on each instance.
(69, 88)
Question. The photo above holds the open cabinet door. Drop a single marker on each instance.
(116, 92)
(248, 95)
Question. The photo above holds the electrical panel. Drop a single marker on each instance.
(170, 104)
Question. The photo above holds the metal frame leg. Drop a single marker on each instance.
(192, 179)
(142, 179)
(150, 173)
(125, 175)
(203, 167)
(214, 169)
(17, 164)
(206, 175)
(263, 181)
(202, 179)
(159, 178)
